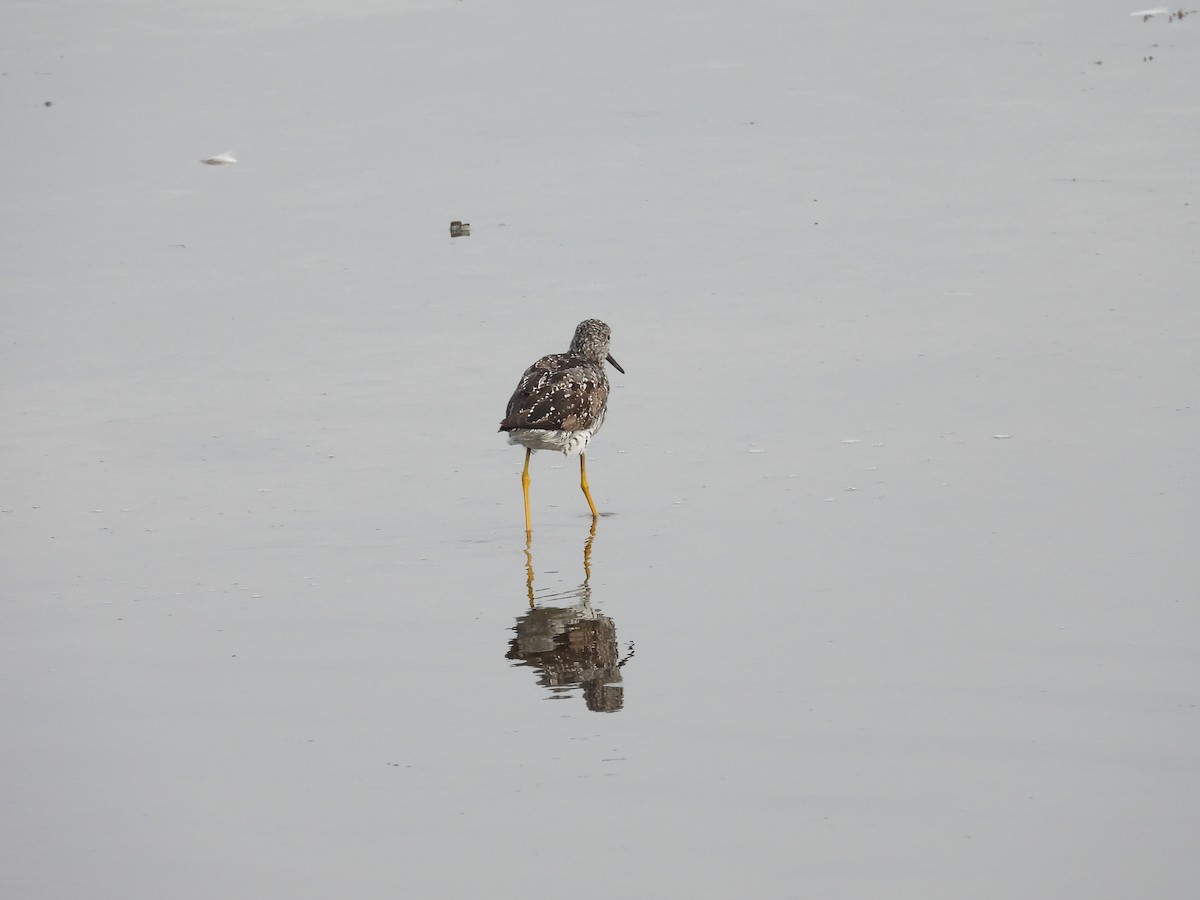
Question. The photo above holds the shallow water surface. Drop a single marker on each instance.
(892, 594)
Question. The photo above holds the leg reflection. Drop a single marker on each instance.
(587, 556)
(567, 642)
(529, 566)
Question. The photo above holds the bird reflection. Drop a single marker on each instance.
(570, 644)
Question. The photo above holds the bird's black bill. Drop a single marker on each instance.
(616, 365)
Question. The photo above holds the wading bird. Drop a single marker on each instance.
(561, 402)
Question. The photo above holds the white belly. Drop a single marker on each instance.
(570, 443)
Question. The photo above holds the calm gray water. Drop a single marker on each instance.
(893, 593)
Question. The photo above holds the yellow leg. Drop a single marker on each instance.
(583, 484)
(525, 491)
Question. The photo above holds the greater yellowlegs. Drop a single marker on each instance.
(561, 402)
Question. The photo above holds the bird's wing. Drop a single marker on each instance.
(558, 392)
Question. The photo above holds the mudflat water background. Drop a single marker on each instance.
(895, 594)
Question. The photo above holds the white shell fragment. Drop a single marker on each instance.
(221, 159)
